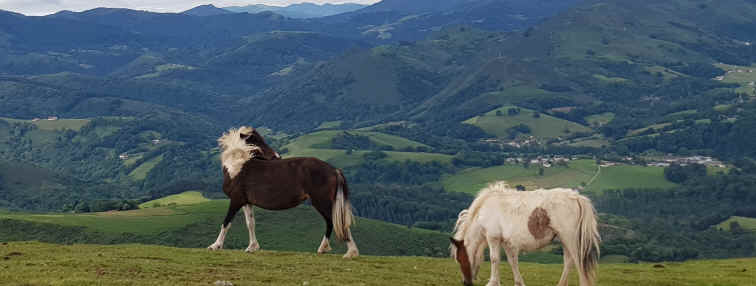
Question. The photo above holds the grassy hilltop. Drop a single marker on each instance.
(32, 263)
(196, 226)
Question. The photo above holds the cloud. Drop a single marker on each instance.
(44, 7)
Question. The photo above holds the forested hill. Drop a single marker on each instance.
(602, 56)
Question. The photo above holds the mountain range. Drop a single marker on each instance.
(300, 10)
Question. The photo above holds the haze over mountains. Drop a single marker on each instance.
(301, 10)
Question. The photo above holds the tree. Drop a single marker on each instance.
(735, 228)
(679, 174)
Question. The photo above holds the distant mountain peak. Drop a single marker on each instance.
(206, 10)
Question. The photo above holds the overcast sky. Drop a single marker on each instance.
(44, 7)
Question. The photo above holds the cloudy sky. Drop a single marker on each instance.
(44, 7)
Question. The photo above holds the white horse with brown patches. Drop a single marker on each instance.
(502, 217)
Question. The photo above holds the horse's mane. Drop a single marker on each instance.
(236, 151)
(465, 217)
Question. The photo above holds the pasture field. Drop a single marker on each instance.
(185, 198)
(33, 263)
(53, 125)
(746, 223)
(600, 119)
(743, 75)
(578, 172)
(140, 173)
(545, 126)
(313, 145)
(197, 225)
(629, 176)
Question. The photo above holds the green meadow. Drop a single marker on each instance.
(33, 263)
(317, 144)
(53, 125)
(185, 198)
(578, 173)
(197, 225)
(545, 126)
(746, 223)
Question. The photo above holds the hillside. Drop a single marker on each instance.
(38, 263)
(580, 61)
(196, 226)
(319, 144)
(578, 174)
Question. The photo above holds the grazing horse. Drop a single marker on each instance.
(254, 175)
(500, 217)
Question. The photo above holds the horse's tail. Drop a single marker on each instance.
(342, 210)
(588, 240)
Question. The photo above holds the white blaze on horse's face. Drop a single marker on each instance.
(235, 149)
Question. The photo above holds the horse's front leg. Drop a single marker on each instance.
(250, 216)
(494, 248)
(513, 257)
(233, 208)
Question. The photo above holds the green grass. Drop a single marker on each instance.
(600, 119)
(577, 173)
(641, 130)
(329, 125)
(197, 225)
(627, 176)
(606, 79)
(744, 78)
(472, 180)
(595, 143)
(185, 198)
(53, 125)
(746, 223)
(544, 127)
(140, 173)
(308, 145)
(33, 263)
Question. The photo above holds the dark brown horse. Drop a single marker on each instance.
(254, 175)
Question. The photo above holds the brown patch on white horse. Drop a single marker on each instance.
(538, 223)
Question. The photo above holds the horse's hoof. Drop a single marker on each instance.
(215, 247)
(324, 250)
(251, 249)
(351, 254)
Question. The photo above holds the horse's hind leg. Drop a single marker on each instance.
(325, 211)
(233, 208)
(567, 265)
(250, 216)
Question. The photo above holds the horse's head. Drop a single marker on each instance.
(252, 137)
(460, 254)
